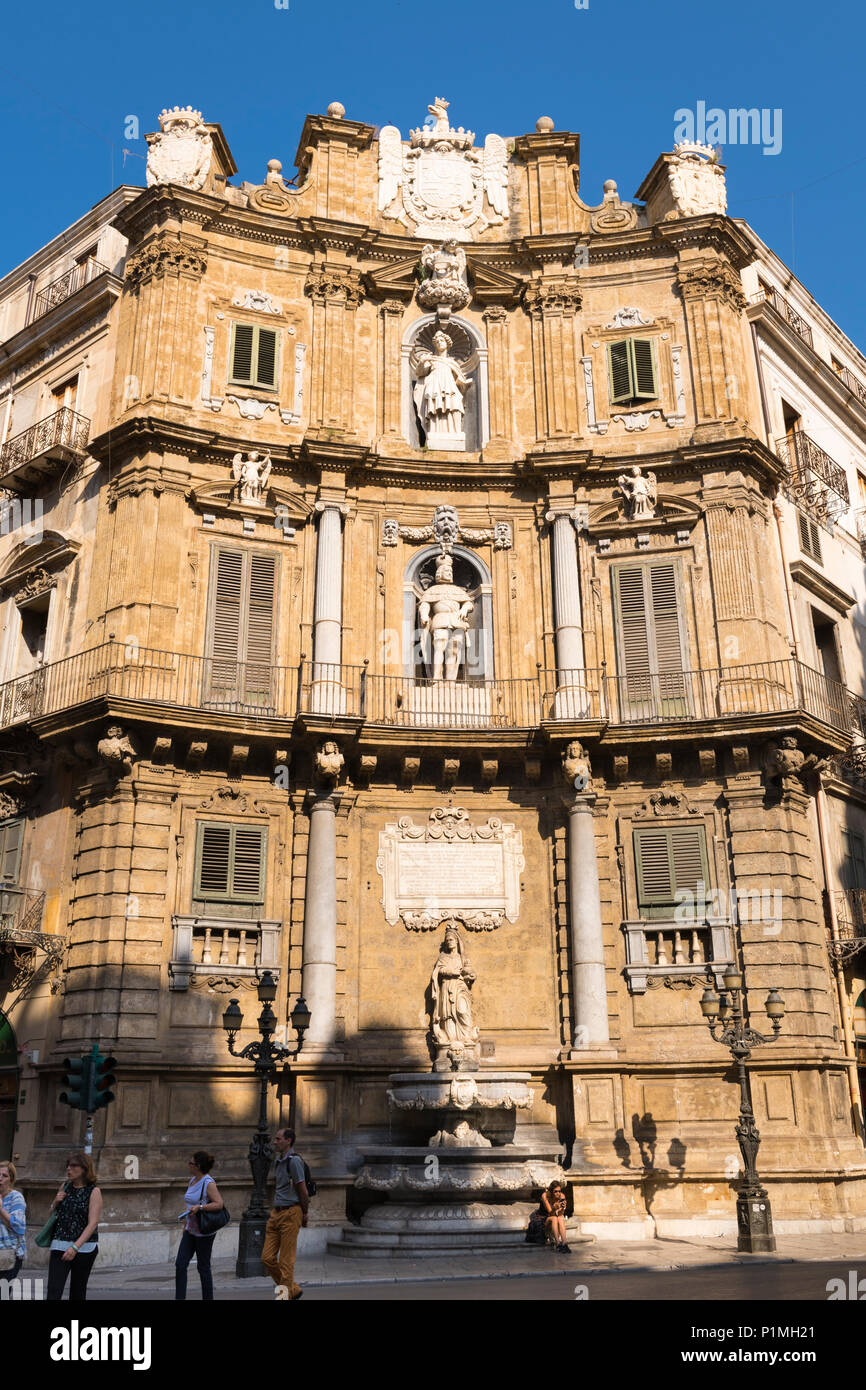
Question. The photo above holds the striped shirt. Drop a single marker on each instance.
(12, 1236)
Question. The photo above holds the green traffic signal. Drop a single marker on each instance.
(101, 1081)
(77, 1078)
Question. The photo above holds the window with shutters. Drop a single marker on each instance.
(810, 538)
(230, 862)
(11, 840)
(651, 641)
(254, 355)
(241, 626)
(632, 374)
(668, 861)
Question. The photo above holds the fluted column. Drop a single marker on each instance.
(586, 939)
(568, 614)
(320, 924)
(328, 612)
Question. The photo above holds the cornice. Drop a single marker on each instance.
(90, 305)
(819, 584)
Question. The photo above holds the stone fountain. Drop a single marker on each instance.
(453, 1179)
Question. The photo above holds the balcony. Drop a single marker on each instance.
(815, 479)
(65, 286)
(787, 313)
(671, 951)
(44, 450)
(200, 693)
(854, 384)
(223, 950)
(26, 952)
(850, 924)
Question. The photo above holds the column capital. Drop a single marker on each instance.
(325, 504)
(577, 514)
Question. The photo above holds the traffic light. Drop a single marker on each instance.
(102, 1079)
(77, 1078)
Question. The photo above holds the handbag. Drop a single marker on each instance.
(46, 1235)
(535, 1231)
(209, 1222)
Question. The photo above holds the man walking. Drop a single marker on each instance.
(288, 1215)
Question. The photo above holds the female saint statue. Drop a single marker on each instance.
(440, 386)
(451, 1015)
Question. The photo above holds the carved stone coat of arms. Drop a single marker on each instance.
(439, 184)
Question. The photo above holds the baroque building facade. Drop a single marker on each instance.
(410, 546)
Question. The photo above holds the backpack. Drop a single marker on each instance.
(309, 1180)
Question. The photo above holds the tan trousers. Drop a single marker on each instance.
(281, 1243)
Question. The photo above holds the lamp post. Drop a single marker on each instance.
(724, 1015)
(264, 1053)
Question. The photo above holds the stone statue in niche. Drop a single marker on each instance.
(444, 611)
(251, 473)
(444, 287)
(440, 386)
(454, 1035)
(640, 493)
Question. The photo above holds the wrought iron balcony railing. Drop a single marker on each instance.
(859, 519)
(65, 286)
(786, 312)
(850, 923)
(171, 680)
(854, 384)
(65, 430)
(815, 479)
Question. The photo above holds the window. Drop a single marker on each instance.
(854, 860)
(810, 538)
(667, 862)
(826, 646)
(230, 862)
(254, 355)
(632, 371)
(241, 628)
(650, 640)
(11, 839)
(66, 395)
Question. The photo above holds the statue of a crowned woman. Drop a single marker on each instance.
(440, 386)
(451, 1014)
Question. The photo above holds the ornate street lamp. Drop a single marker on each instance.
(264, 1053)
(724, 1012)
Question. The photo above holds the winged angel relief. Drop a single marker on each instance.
(441, 179)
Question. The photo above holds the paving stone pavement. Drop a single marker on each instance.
(316, 1270)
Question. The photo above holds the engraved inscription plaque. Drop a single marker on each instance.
(450, 868)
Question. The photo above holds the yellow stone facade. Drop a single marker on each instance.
(135, 742)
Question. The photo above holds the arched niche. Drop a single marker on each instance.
(470, 350)
(471, 573)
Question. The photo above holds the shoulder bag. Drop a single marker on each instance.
(209, 1222)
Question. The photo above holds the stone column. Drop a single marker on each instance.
(572, 697)
(328, 695)
(320, 906)
(586, 939)
(393, 311)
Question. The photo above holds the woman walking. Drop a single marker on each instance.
(201, 1195)
(13, 1219)
(76, 1234)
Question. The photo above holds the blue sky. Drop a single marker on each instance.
(616, 71)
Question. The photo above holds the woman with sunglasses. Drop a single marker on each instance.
(76, 1234)
(201, 1195)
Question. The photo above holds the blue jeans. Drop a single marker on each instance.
(201, 1247)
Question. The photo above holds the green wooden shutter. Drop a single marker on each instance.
(266, 357)
(650, 645)
(230, 862)
(810, 538)
(241, 631)
(668, 861)
(226, 642)
(242, 352)
(212, 861)
(11, 840)
(643, 369)
(261, 588)
(619, 370)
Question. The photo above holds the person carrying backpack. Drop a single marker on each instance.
(288, 1215)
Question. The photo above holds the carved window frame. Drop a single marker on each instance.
(595, 344)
